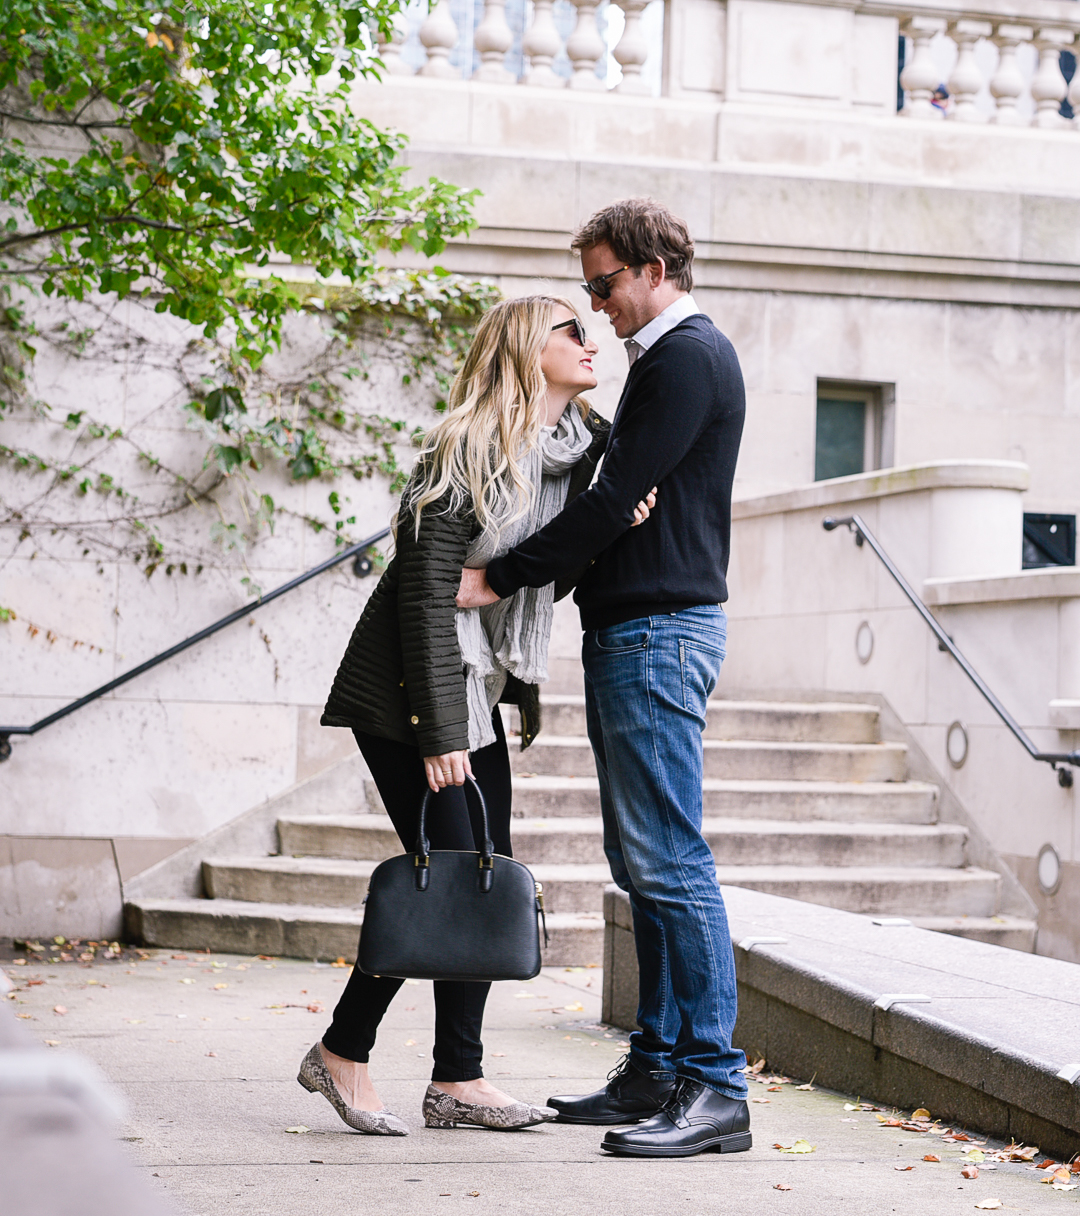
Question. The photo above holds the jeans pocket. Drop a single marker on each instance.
(631, 635)
(699, 666)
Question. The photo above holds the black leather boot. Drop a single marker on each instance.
(696, 1118)
(629, 1095)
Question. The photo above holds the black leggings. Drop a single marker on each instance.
(398, 770)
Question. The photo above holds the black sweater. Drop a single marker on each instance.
(678, 427)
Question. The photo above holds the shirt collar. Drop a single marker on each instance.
(673, 315)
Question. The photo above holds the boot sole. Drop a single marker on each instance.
(609, 1121)
(735, 1142)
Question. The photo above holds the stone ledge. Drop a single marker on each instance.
(985, 1051)
(1050, 583)
(882, 483)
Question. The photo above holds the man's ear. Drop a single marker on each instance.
(657, 272)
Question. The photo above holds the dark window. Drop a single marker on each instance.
(854, 431)
(1049, 540)
(840, 445)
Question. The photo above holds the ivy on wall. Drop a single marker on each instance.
(331, 418)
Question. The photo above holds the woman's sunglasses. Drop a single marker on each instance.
(599, 286)
(577, 330)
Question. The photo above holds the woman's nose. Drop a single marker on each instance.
(591, 347)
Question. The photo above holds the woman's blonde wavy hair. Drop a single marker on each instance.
(496, 410)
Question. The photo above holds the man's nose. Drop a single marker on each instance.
(596, 302)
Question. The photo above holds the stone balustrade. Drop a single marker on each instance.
(1006, 62)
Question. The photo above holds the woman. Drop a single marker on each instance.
(421, 681)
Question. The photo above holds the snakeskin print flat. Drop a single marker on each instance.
(315, 1077)
(442, 1110)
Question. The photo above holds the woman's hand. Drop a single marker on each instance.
(641, 511)
(448, 769)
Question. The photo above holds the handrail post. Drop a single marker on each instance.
(855, 524)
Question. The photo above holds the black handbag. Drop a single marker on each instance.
(451, 915)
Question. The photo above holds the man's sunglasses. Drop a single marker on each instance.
(599, 286)
(577, 333)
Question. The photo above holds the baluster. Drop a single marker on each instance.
(542, 43)
(1074, 94)
(390, 49)
(1048, 86)
(585, 47)
(633, 48)
(439, 34)
(1007, 84)
(919, 78)
(966, 79)
(493, 38)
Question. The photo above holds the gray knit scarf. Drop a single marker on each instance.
(511, 636)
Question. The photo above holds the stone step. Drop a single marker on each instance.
(571, 755)
(1015, 932)
(299, 931)
(565, 839)
(779, 721)
(889, 890)
(792, 801)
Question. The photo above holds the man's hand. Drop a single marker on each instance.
(474, 591)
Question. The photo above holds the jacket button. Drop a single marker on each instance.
(402, 684)
(414, 720)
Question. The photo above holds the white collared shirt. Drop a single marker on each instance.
(673, 315)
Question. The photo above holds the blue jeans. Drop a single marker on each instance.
(647, 684)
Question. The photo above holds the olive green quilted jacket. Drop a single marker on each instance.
(401, 676)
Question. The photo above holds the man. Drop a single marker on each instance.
(650, 602)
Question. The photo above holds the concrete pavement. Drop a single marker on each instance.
(206, 1048)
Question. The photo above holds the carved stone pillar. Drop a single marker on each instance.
(1074, 94)
(1007, 84)
(1048, 86)
(633, 48)
(542, 43)
(390, 49)
(440, 35)
(966, 79)
(585, 48)
(919, 78)
(493, 38)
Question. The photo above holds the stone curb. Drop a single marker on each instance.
(990, 1046)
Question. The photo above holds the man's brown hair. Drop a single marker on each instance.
(641, 230)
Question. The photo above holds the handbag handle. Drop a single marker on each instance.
(423, 846)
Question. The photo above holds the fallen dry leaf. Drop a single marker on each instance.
(969, 1171)
(903, 1169)
(756, 1067)
(32, 1018)
(800, 1146)
(762, 1101)
(807, 1088)
(921, 1113)
(338, 962)
(576, 1007)
(958, 1136)
(52, 1042)
(1018, 1152)
(298, 1130)
(1061, 1174)
(61, 1009)
(474, 1194)
(775, 1089)
(976, 1155)
(931, 1157)
(782, 1186)
(989, 1205)
(212, 1053)
(221, 985)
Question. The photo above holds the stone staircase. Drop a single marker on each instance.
(801, 799)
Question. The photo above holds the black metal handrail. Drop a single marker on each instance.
(862, 533)
(357, 551)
